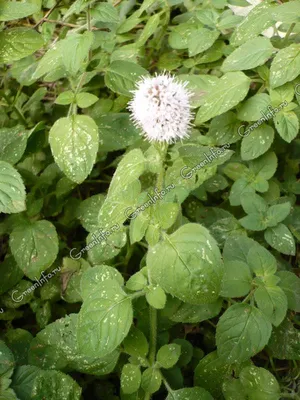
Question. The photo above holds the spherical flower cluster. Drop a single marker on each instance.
(161, 108)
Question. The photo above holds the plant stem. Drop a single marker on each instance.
(47, 14)
(53, 21)
(73, 106)
(290, 30)
(153, 334)
(162, 148)
(19, 112)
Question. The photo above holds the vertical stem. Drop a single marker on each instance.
(73, 105)
(153, 334)
(286, 39)
(89, 27)
(162, 148)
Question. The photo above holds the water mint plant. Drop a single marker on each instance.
(149, 200)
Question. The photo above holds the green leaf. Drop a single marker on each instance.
(285, 342)
(121, 76)
(272, 302)
(233, 390)
(88, 210)
(259, 19)
(231, 89)
(278, 213)
(139, 226)
(50, 62)
(179, 37)
(130, 378)
(285, 66)
(34, 246)
(199, 85)
(137, 281)
(237, 248)
(65, 98)
(7, 360)
(257, 142)
(216, 183)
(164, 214)
(254, 108)
(237, 279)
(99, 273)
(135, 344)
(264, 167)
(67, 56)
(254, 222)
(75, 49)
(211, 372)
(119, 205)
(186, 352)
(102, 248)
(156, 297)
(168, 355)
(287, 12)
(261, 261)
(13, 10)
(116, 131)
(282, 95)
(224, 129)
(235, 171)
(281, 239)
(74, 271)
(192, 313)
(19, 341)
(194, 393)
(85, 100)
(253, 203)
(24, 379)
(105, 12)
(74, 145)
(242, 332)
(251, 54)
(12, 190)
(55, 385)
(13, 143)
(208, 17)
(240, 188)
(151, 380)
(11, 274)
(290, 284)
(17, 43)
(259, 384)
(149, 29)
(187, 264)
(287, 125)
(56, 347)
(201, 40)
(105, 317)
(19, 295)
(197, 157)
(129, 169)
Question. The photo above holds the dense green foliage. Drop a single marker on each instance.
(103, 294)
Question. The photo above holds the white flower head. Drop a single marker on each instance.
(161, 108)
